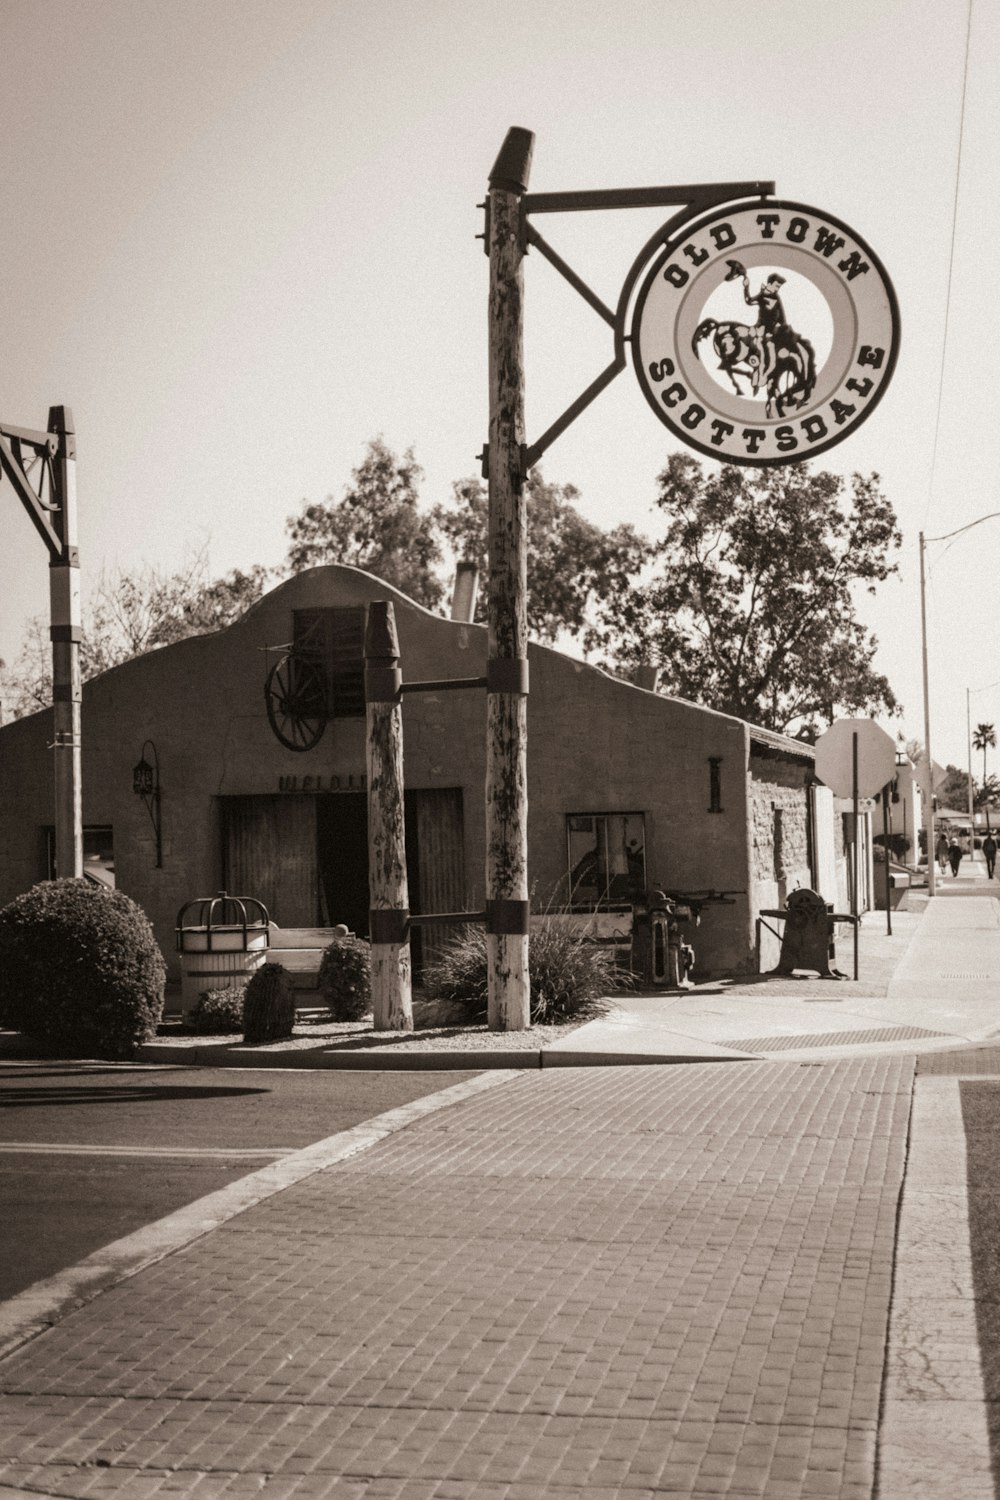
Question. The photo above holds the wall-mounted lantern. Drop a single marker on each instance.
(146, 784)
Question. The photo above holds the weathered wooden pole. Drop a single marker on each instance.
(65, 631)
(388, 898)
(507, 903)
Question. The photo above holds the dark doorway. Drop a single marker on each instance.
(342, 855)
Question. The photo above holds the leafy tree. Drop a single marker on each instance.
(377, 525)
(577, 574)
(750, 608)
(987, 795)
(953, 789)
(130, 612)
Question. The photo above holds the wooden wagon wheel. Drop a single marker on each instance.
(295, 695)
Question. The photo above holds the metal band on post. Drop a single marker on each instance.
(389, 925)
(507, 675)
(508, 918)
(383, 684)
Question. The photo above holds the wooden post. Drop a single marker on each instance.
(856, 893)
(507, 903)
(65, 631)
(389, 915)
(886, 836)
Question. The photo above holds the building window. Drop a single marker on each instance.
(607, 859)
(98, 855)
(334, 640)
(714, 784)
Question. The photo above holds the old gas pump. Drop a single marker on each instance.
(660, 957)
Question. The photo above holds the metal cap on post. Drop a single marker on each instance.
(512, 167)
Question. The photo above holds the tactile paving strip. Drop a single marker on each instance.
(830, 1039)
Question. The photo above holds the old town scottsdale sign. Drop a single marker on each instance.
(764, 332)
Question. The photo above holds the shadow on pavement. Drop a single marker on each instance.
(981, 1117)
(125, 1093)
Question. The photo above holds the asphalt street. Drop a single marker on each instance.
(89, 1153)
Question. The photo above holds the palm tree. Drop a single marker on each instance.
(985, 736)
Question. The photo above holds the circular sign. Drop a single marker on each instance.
(835, 757)
(765, 332)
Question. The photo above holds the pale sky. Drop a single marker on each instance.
(238, 240)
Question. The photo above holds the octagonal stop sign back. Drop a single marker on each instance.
(835, 757)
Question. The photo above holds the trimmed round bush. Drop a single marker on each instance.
(269, 1005)
(345, 979)
(569, 976)
(80, 969)
(219, 1011)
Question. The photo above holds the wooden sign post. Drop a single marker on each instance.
(66, 629)
(389, 916)
(41, 467)
(507, 904)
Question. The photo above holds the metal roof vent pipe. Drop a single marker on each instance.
(466, 591)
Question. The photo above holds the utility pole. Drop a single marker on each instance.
(929, 785)
(41, 467)
(507, 903)
(993, 515)
(968, 732)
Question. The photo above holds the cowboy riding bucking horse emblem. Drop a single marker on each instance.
(762, 331)
(768, 353)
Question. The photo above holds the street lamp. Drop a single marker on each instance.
(968, 732)
(929, 801)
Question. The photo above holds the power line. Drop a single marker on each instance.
(951, 264)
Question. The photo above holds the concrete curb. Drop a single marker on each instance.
(179, 1054)
(173, 1054)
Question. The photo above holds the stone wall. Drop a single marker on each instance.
(779, 834)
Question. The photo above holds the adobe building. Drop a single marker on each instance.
(627, 789)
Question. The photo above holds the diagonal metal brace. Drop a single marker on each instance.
(576, 282)
(11, 441)
(533, 453)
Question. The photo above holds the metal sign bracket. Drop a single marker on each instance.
(688, 200)
(31, 478)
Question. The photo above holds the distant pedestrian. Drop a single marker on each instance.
(941, 850)
(990, 853)
(955, 852)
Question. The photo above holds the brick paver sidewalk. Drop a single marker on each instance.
(610, 1282)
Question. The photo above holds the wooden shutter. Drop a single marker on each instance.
(269, 851)
(437, 851)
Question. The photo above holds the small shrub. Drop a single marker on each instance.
(345, 979)
(569, 976)
(219, 1011)
(80, 969)
(269, 1005)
